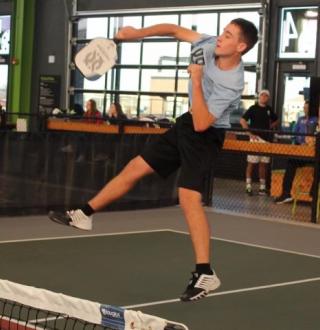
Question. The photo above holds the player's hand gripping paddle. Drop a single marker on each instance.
(95, 59)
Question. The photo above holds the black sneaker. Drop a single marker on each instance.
(283, 199)
(199, 286)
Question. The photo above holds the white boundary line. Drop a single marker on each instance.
(49, 238)
(223, 293)
(253, 245)
(158, 231)
(186, 233)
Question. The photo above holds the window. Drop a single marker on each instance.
(296, 91)
(298, 32)
(5, 22)
(3, 85)
(5, 35)
(204, 23)
(151, 75)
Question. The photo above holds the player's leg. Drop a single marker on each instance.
(81, 218)
(136, 169)
(203, 278)
(191, 204)
(198, 152)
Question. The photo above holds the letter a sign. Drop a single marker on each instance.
(298, 32)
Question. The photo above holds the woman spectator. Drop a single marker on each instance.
(116, 113)
(92, 114)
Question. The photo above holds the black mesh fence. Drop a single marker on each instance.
(43, 169)
(54, 170)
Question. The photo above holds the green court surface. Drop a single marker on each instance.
(261, 288)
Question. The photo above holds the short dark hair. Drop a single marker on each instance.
(249, 32)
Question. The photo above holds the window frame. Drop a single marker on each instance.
(115, 92)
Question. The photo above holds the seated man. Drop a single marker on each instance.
(305, 125)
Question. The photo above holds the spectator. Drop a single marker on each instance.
(116, 113)
(259, 116)
(92, 114)
(305, 125)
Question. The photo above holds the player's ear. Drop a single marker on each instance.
(242, 46)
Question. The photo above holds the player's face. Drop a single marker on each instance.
(230, 41)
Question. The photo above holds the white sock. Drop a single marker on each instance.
(262, 184)
(248, 182)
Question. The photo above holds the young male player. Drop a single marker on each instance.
(192, 144)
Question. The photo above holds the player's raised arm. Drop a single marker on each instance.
(170, 30)
(201, 117)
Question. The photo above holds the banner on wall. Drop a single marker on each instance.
(49, 93)
(298, 32)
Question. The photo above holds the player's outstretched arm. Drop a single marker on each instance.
(170, 30)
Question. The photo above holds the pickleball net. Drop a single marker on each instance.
(24, 308)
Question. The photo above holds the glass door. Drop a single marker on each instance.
(296, 91)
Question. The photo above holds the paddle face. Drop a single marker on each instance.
(95, 59)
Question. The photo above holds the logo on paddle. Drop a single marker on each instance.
(93, 61)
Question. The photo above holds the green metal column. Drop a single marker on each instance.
(22, 55)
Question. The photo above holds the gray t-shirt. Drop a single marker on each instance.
(222, 88)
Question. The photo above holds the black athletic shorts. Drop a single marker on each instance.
(182, 147)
